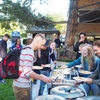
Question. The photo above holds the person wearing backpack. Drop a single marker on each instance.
(3, 51)
(21, 86)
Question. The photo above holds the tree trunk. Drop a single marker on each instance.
(72, 23)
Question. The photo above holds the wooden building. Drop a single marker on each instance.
(84, 16)
(50, 33)
(89, 18)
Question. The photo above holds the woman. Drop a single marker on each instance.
(17, 44)
(53, 49)
(88, 60)
(82, 40)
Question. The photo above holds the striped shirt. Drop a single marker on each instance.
(25, 68)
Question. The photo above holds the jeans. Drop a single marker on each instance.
(1, 78)
(94, 87)
(42, 84)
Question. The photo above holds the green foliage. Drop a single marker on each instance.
(18, 16)
(16, 12)
(57, 17)
(24, 35)
(24, 41)
(6, 91)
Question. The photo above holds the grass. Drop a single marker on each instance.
(6, 91)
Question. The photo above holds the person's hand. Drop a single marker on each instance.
(46, 79)
(63, 67)
(0, 59)
(81, 40)
(87, 80)
(72, 68)
(55, 62)
(43, 65)
(77, 83)
(52, 68)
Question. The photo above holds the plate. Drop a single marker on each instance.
(80, 79)
(85, 72)
(37, 67)
(78, 66)
(47, 65)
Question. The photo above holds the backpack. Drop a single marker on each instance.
(10, 64)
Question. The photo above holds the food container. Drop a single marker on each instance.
(89, 98)
(49, 97)
(58, 79)
(67, 92)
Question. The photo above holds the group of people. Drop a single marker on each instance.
(40, 53)
(88, 56)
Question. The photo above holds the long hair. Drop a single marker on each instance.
(89, 57)
(16, 41)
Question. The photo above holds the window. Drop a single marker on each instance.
(48, 36)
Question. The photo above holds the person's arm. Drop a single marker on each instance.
(60, 44)
(13, 47)
(95, 76)
(40, 77)
(72, 64)
(76, 47)
(75, 62)
(3, 49)
(27, 69)
(52, 55)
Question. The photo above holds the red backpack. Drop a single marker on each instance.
(10, 64)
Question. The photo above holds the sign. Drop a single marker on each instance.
(15, 35)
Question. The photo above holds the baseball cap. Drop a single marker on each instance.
(47, 43)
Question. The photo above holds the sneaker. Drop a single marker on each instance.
(3, 81)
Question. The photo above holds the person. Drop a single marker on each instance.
(87, 60)
(58, 42)
(3, 51)
(21, 86)
(58, 45)
(17, 44)
(82, 40)
(53, 47)
(93, 81)
(46, 56)
(29, 41)
(80, 48)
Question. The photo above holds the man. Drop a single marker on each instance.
(58, 45)
(3, 51)
(82, 40)
(46, 56)
(21, 86)
(93, 81)
(58, 42)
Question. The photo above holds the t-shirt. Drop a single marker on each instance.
(25, 68)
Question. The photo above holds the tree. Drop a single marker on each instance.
(57, 17)
(12, 13)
